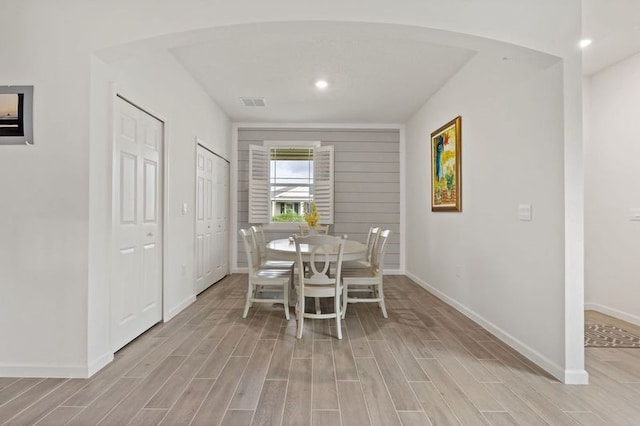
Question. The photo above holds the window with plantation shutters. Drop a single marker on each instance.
(323, 182)
(258, 184)
(285, 178)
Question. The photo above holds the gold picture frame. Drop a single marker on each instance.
(446, 157)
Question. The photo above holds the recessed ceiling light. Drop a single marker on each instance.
(321, 84)
(585, 42)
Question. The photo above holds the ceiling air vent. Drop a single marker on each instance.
(253, 102)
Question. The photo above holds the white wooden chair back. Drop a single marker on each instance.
(258, 237)
(250, 248)
(372, 239)
(377, 256)
(260, 247)
(325, 258)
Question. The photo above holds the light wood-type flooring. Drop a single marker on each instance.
(425, 364)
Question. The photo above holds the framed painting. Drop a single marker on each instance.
(445, 167)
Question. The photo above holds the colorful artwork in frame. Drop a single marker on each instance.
(445, 166)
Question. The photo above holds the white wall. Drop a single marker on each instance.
(44, 199)
(55, 195)
(512, 272)
(612, 182)
(52, 317)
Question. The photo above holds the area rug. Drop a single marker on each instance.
(608, 336)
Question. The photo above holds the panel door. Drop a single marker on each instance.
(136, 288)
(221, 257)
(205, 219)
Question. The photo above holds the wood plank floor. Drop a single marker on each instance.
(425, 364)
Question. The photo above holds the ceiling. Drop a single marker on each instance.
(377, 73)
(614, 27)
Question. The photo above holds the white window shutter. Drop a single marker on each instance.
(323, 182)
(259, 204)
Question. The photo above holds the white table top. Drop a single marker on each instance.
(283, 249)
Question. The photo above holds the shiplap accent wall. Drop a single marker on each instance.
(366, 178)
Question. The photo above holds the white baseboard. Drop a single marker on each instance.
(99, 364)
(179, 308)
(44, 370)
(576, 377)
(633, 319)
(237, 270)
(56, 371)
(534, 356)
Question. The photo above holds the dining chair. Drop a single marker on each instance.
(263, 283)
(316, 230)
(306, 230)
(260, 245)
(367, 281)
(372, 239)
(322, 279)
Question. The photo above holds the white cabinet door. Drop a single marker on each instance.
(136, 288)
(212, 204)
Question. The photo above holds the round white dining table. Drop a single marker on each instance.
(284, 249)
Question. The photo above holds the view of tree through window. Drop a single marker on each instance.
(291, 183)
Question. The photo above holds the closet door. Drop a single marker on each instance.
(136, 287)
(212, 204)
(221, 239)
(205, 225)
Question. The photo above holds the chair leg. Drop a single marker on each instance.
(384, 309)
(300, 316)
(381, 302)
(338, 316)
(248, 303)
(292, 288)
(344, 301)
(285, 297)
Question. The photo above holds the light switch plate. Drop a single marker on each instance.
(634, 214)
(184, 209)
(524, 212)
